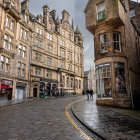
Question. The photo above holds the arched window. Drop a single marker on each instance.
(61, 80)
(76, 84)
(72, 82)
(67, 81)
(64, 80)
(79, 84)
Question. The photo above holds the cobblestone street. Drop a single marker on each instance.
(110, 124)
(38, 120)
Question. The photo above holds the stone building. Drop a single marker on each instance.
(117, 43)
(14, 50)
(38, 52)
(90, 80)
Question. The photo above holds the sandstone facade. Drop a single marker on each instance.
(117, 56)
(37, 51)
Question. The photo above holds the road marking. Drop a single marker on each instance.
(73, 123)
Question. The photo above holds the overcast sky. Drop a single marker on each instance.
(76, 9)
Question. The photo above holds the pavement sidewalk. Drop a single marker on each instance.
(5, 103)
(107, 124)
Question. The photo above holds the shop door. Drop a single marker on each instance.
(35, 92)
(20, 93)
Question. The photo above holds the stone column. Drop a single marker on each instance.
(14, 89)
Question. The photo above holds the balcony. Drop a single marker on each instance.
(12, 10)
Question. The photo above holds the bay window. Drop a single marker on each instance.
(103, 81)
(120, 78)
(116, 42)
(103, 43)
(100, 11)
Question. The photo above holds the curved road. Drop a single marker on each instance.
(40, 120)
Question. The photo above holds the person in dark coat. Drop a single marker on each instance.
(91, 94)
(87, 92)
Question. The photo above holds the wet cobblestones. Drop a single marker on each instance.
(41, 120)
(112, 125)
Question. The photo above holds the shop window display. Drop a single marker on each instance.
(103, 74)
(120, 78)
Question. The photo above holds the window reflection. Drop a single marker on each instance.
(103, 74)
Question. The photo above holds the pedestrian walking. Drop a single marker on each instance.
(87, 92)
(91, 94)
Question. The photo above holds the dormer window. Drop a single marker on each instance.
(25, 18)
(12, 4)
(63, 33)
(100, 11)
(132, 13)
(39, 20)
(58, 30)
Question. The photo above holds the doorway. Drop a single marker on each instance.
(35, 92)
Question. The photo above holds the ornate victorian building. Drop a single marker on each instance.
(117, 43)
(39, 52)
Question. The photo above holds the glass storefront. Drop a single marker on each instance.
(120, 78)
(6, 89)
(103, 80)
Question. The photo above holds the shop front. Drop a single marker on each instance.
(112, 84)
(20, 91)
(104, 81)
(6, 89)
(47, 86)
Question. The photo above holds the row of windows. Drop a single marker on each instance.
(49, 61)
(43, 72)
(69, 82)
(5, 66)
(104, 42)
